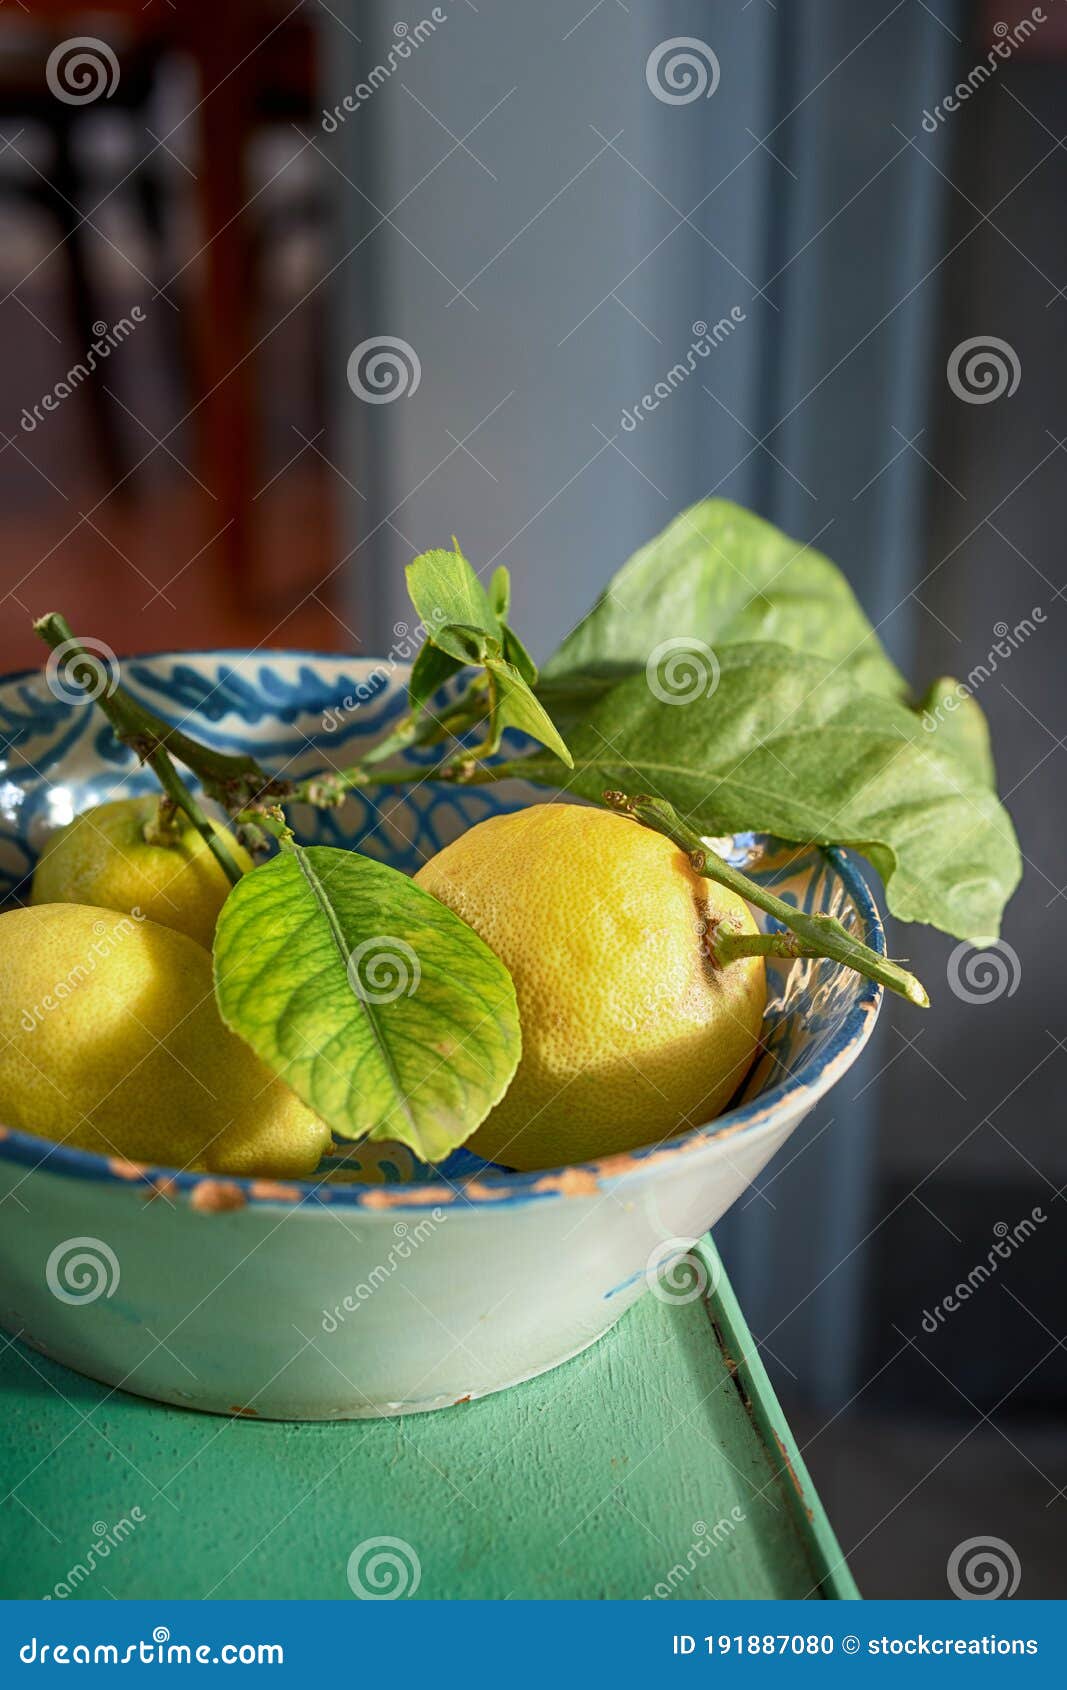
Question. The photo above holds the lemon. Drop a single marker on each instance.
(103, 858)
(110, 1040)
(630, 1033)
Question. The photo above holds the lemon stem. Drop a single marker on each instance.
(261, 822)
(135, 727)
(728, 943)
(808, 935)
(162, 828)
(162, 767)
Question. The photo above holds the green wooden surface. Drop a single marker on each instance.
(650, 1464)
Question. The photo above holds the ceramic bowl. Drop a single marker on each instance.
(414, 1288)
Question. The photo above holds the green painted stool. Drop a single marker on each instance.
(656, 1464)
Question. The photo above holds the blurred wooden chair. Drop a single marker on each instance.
(253, 63)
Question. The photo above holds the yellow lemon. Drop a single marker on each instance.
(630, 1033)
(103, 858)
(110, 1040)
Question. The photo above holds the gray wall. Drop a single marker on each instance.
(539, 246)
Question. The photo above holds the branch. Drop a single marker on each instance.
(809, 935)
(136, 727)
(232, 779)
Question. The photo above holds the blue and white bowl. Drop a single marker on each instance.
(413, 1288)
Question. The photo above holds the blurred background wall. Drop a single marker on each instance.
(511, 202)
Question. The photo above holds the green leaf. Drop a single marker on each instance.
(957, 725)
(500, 592)
(430, 670)
(720, 575)
(517, 707)
(465, 628)
(379, 1007)
(448, 594)
(514, 651)
(788, 745)
(517, 655)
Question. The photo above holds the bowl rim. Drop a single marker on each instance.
(489, 1187)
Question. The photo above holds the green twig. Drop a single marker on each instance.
(456, 719)
(162, 828)
(230, 778)
(260, 822)
(135, 727)
(176, 790)
(809, 935)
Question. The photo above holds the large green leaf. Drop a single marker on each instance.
(788, 744)
(957, 725)
(380, 1007)
(720, 575)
